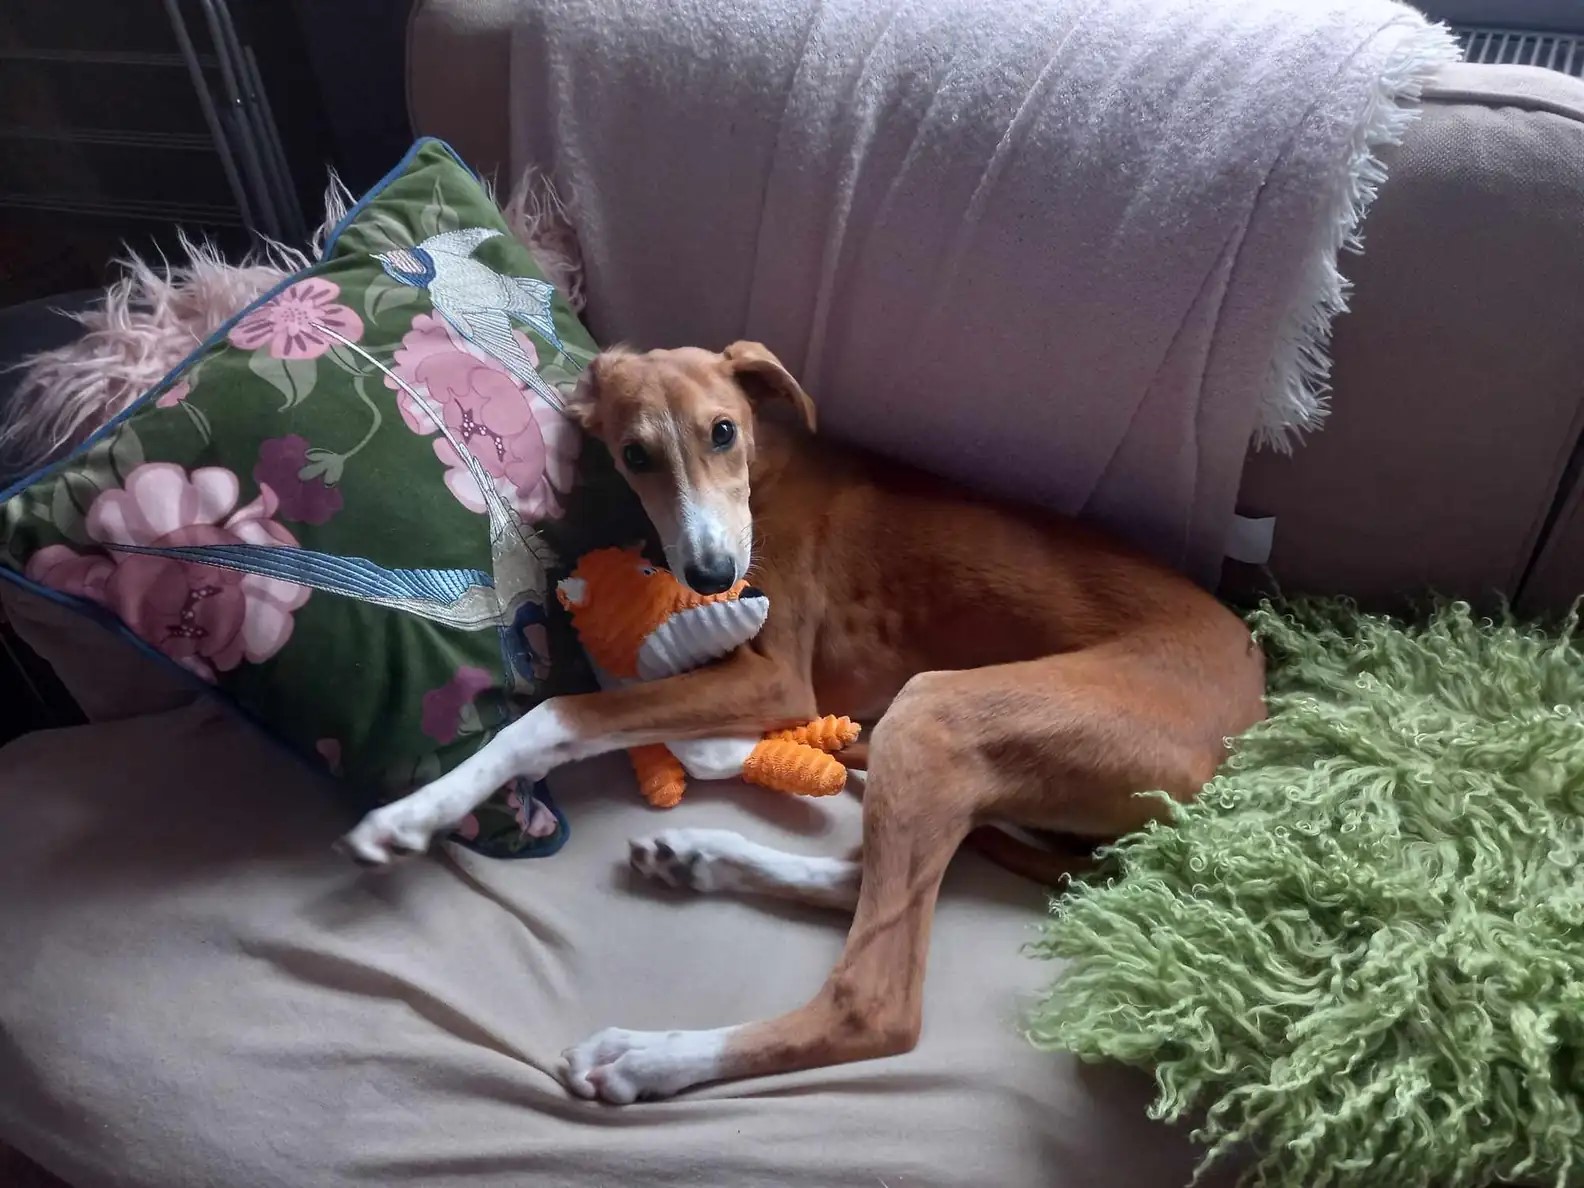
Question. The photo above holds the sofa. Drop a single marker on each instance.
(195, 991)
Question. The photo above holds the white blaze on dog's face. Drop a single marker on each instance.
(680, 425)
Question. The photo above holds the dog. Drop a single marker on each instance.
(1020, 669)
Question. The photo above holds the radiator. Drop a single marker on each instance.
(1524, 47)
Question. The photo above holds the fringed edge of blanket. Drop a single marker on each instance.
(1298, 398)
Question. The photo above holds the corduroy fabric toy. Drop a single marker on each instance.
(638, 623)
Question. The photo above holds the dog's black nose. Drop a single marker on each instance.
(710, 575)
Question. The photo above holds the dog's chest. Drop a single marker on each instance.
(859, 660)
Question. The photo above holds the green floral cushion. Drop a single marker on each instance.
(337, 511)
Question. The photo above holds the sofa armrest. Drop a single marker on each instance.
(1457, 396)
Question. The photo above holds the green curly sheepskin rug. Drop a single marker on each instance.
(1360, 954)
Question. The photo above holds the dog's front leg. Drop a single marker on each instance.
(745, 693)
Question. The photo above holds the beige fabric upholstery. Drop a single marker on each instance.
(196, 992)
(1458, 398)
(471, 105)
(472, 98)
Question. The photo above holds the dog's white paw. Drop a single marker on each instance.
(621, 1066)
(699, 859)
(386, 835)
(720, 860)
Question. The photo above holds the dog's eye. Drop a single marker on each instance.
(723, 434)
(635, 456)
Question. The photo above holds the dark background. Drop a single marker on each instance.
(103, 142)
(104, 148)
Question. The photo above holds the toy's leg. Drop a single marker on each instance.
(715, 758)
(829, 733)
(660, 776)
(793, 767)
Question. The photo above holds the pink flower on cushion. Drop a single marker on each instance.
(64, 569)
(173, 395)
(491, 416)
(205, 618)
(284, 323)
(442, 707)
(428, 335)
(279, 467)
(526, 447)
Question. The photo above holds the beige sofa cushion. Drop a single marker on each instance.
(1556, 580)
(197, 992)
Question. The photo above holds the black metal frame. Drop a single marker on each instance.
(242, 127)
(242, 131)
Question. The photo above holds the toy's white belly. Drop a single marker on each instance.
(714, 758)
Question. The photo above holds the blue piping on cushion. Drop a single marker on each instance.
(396, 171)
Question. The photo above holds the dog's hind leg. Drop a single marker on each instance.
(1062, 743)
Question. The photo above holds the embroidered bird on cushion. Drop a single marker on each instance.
(479, 303)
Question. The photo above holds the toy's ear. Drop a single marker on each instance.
(583, 406)
(761, 375)
(572, 591)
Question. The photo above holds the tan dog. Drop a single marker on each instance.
(1022, 669)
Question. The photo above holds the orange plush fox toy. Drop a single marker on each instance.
(638, 623)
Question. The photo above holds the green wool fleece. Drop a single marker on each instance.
(1360, 955)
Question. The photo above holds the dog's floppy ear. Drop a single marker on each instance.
(761, 374)
(584, 404)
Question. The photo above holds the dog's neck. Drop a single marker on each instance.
(778, 445)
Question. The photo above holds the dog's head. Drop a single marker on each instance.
(684, 426)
